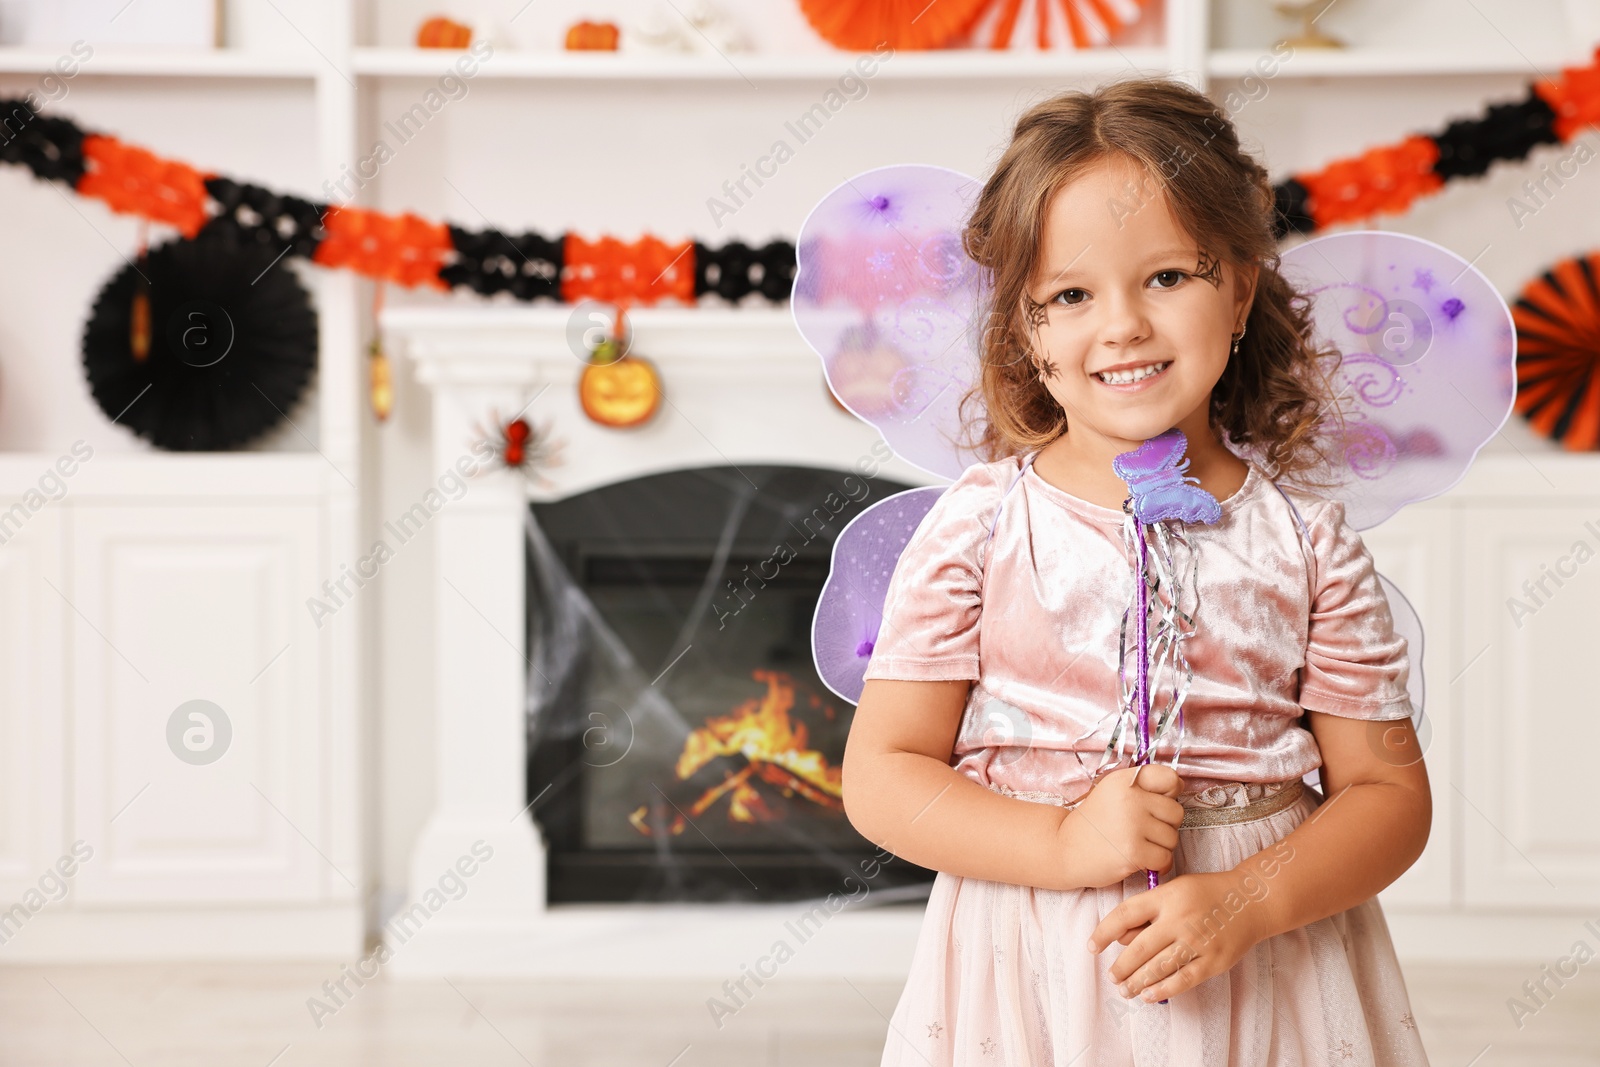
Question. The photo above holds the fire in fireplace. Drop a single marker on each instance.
(775, 750)
(681, 745)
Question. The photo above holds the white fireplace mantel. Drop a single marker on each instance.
(740, 387)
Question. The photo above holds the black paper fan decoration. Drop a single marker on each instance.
(201, 345)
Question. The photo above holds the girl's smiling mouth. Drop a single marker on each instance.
(1131, 374)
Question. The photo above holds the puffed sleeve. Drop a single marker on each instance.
(1356, 664)
(931, 612)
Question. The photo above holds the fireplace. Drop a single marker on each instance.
(681, 745)
(629, 527)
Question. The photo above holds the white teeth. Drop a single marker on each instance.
(1122, 377)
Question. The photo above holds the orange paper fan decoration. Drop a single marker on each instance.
(1045, 24)
(1558, 353)
(912, 25)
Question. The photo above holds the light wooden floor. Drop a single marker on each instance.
(249, 1015)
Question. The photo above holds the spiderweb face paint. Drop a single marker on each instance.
(1209, 268)
(1038, 314)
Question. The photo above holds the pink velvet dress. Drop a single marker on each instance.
(1290, 617)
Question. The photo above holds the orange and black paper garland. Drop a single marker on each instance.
(404, 249)
(1388, 179)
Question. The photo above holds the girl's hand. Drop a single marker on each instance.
(1123, 826)
(1181, 933)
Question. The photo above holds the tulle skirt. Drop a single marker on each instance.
(1001, 975)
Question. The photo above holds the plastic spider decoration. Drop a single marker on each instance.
(518, 445)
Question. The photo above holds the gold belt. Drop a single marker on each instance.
(1199, 815)
(1256, 809)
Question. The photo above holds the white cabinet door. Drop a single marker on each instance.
(1413, 550)
(177, 604)
(1530, 638)
(32, 714)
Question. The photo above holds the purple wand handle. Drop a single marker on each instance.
(1141, 690)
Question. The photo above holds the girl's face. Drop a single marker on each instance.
(1123, 291)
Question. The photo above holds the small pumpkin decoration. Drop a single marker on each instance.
(593, 37)
(440, 32)
(624, 392)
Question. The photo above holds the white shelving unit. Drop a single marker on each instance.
(109, 62)
(164, 577)
(274, 524)
(1386, 63)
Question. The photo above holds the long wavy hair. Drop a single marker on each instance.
(1275, 395)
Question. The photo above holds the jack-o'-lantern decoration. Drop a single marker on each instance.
(869, 374)
(623, 392)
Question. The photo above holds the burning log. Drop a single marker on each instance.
(776, 748)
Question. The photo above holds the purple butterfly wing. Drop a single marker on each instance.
(1154, 481)
(850, 609)
(1428, 367)
(1159, 453)
(1408, 626)
(1180, 500)
(886, 296)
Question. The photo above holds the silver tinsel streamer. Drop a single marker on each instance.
(1168, 626)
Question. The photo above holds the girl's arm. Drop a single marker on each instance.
(1372, 826)
(1370, 829)
(901, 792)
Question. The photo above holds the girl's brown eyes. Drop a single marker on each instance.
(1166, 279)
(1172, 279)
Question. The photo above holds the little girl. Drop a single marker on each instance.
(1136, 289)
